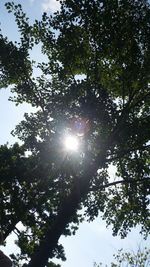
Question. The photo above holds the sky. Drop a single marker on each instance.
(93, 242)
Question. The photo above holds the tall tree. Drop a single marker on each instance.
(94, 84)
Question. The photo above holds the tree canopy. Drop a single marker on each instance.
(94, 83)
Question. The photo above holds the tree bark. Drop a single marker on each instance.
(4, 260)
(46, 247)
(67, 210)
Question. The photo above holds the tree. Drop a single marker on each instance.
(94, 84)
(130, 259)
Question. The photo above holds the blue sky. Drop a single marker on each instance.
(92, 242)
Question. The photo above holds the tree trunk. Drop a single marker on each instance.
(67, 210)
(46, 247)
(4, 260)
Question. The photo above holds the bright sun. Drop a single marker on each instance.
(71, 143)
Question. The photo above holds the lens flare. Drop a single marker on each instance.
(80, 126)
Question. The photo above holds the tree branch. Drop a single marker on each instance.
(96, 188)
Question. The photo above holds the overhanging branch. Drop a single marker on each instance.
(127, 181)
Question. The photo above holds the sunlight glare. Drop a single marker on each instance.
(71, 143)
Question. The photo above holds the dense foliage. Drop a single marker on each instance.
(94, 83)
